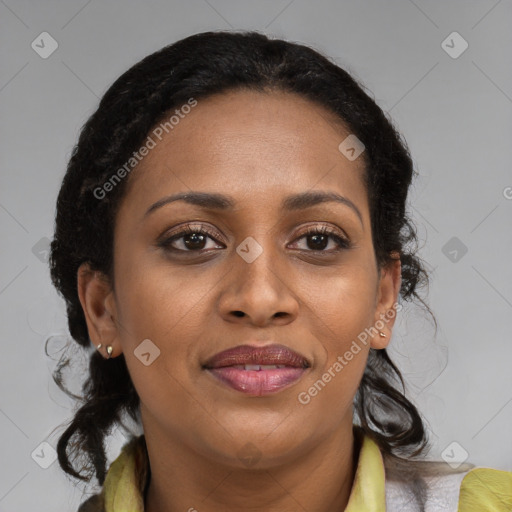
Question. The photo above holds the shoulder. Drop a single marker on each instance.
(486, 489)
(434, 486)
(474, 490)
(424, 493)
(126, 478)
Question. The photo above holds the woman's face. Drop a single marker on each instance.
(255, 278)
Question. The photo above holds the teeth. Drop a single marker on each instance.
(258, 367)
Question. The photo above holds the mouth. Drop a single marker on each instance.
(258, 371)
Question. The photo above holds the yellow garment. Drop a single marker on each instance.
(368, 490)
(481, 490)
(486, 489)
(124, 484)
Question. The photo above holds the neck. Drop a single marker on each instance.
(319, 479)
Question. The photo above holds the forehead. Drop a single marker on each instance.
(248, 143)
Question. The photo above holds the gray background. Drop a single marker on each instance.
(455, 114)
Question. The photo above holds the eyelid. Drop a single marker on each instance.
(323, 228)
(185, 229)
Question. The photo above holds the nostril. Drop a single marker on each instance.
(238, 313)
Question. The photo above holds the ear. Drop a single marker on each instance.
(97, 300)
(388, 290)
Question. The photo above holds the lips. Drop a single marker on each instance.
(250, 355)
(257, 371)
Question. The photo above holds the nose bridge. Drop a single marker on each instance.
(258, 260)
(255, 286)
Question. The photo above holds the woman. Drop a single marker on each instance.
(231, 235)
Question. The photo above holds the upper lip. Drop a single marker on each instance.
(274, 354)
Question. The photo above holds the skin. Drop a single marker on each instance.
(257, 148)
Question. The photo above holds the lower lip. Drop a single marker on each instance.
(257, 382)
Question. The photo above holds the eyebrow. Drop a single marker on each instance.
(221, 202)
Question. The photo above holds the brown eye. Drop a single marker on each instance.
(317, 240)
(190, 239)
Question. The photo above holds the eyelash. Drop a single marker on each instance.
(343, 243)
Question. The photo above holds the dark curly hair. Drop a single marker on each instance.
(197, 67)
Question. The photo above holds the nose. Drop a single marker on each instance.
(258, 293)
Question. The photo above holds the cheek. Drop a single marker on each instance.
(166, 397)
(342, 310)
(332, 388)
(169, 309)
(343, 304)
(157, 305)
(157, 300)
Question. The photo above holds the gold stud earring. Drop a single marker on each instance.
(382, 335)
(108, 348)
